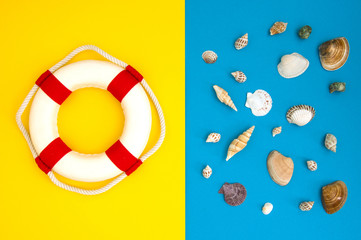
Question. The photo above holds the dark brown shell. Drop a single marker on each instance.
(334, 196)
(234, 194)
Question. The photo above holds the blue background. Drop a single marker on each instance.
(215, 25)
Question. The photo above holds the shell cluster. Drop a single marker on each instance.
(209, 57)
(334, 196)
(207, 172)
(300, 114)
(330, 142)
(334, 53)
(260, 102)
(278, 27)
(280, 168)
(312, 165)
(306, 206)
(239, 143)
(223, 96)
(276, 131)
(292, 65)
(239, 76)
(234, 194)
(241, 42)
(213, 137)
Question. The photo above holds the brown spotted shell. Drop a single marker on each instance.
(334, 53)
(241, 42)
(280, 168)
(209, 57)
(234, 194)
(306, 206)
(334, 196)
(278, 27)
(239, 76)
(312, 165)
(330, 142)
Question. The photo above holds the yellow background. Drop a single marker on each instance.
(149, 35)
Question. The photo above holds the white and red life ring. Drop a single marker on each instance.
(55, 85)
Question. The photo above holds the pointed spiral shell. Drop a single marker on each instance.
(306, 206)
(330, 142)
(312, 165)
(213, 137)
(278, 27)
(207, 172)
(239, 76)
(223, 96)
(276, 131)
(241, 42)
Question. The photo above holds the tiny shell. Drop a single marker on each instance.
(337, 87)
(305, 32)
(276, 131)
(207, 172)
(330, 142)
(280, 168)
(267, 208)
(334, 196)
(213, 137)
(239, 76)
(209, 57)
(224, 97)
(234, 194)
(292, 65)
(241, 42)
(300, 114)
(239, 143)
(334, 53)
(312, 165)
(278, 27)
(260, 102)
(306, 206)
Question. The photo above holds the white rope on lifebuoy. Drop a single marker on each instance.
(121, 176)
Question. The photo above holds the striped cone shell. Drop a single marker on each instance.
(241, 42)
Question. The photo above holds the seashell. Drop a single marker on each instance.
(305, 32)
(330, 142)
(224, 97)
(292, 65)
(312, 165)
(300, 114)
(276, 131)
(241, 42)
(334, 53)
(337, 86)
(239, 143)
(280, 168)
(306, 206)
(207, 172)
(239, 76)
(334, 196)
(260, 102)
(267, 208)
(213, 137)
(209, 57)
(278, 27)
(234, 194)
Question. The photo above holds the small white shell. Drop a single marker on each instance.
(306, 206)
(213, 137)
(300, 114)
(330, 142)
(312, 165)
(241, 42)
(260, 102)
(207, 172)
(209, 56)
(276, 130)
(292, 65)
(239, 76)
(267, 208)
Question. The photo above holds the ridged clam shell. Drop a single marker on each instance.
(223, 96)
(239, 76)
(334, 196)
(213, 137)
(300, 114)
(239, 143)
(337, 87)
(209, 56)
(267, 208)
(207, 172)
(330, 142)
(260, 102)
(306, 206)
(334, 53)
(280, 168)
(278, 27)
(276, 131)
(241, 42)
(292, 65)
(234, 194)
(312, 165)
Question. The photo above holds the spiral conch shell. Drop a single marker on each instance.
(276, 131)
(334, 196)
(312, 165)
(241, 42)
(280, 168)
(224, 97)
(278, 27)
(207, 172)
(239, 143)
(334, 53)
(260, 102)
(209, 56)
(292, 65)
(239, 76)
(306, 206)
(213, 137)
(267, 208)
(330, 142)
(300, 114)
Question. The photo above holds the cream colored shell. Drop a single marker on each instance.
(267, 208)
(292, 65)
(260, 102)
(300, 114)
(280, 168)
(207, 172)
(239, 76)
(223, 96)
(312, 165)
(306, 206)
(209, 57)
(276, 130)
(330, 142)
(213, 137)
(241, 42)
(239, 143)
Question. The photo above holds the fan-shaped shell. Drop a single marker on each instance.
(337, 87)
(306, 206)
(213, 137)
(330, 142)
(334, 53)
(276, 131)
(239, 76)
(280, 168)
(239, 143)
(292, 65)
(278, 27)
(241, 42)
(260, 102)
(267, 208)
(234, 194)
(207, 172)
(312, 165)
(300, 114)
(209, 56)
(223, 96)
(334, 196)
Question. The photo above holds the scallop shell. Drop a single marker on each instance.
(209, 56)
(276, 131)
(260, 102)
(330, 142)
(334, 196)
(241, 42)
(267, 208)
(224, 97)
(334, 53)
(207, 172)
(337, 87)
(234, 194)
(239, 143)
(280, 168)
(305, 32)
(312, 165)
(292, 65)
(278, 27)
(239, 76)
(300, 114)
(213, 137)
(306, 206)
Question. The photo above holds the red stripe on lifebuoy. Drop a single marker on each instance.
(124, 82)
(122, 158)
(53, 87)
(52, 154)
